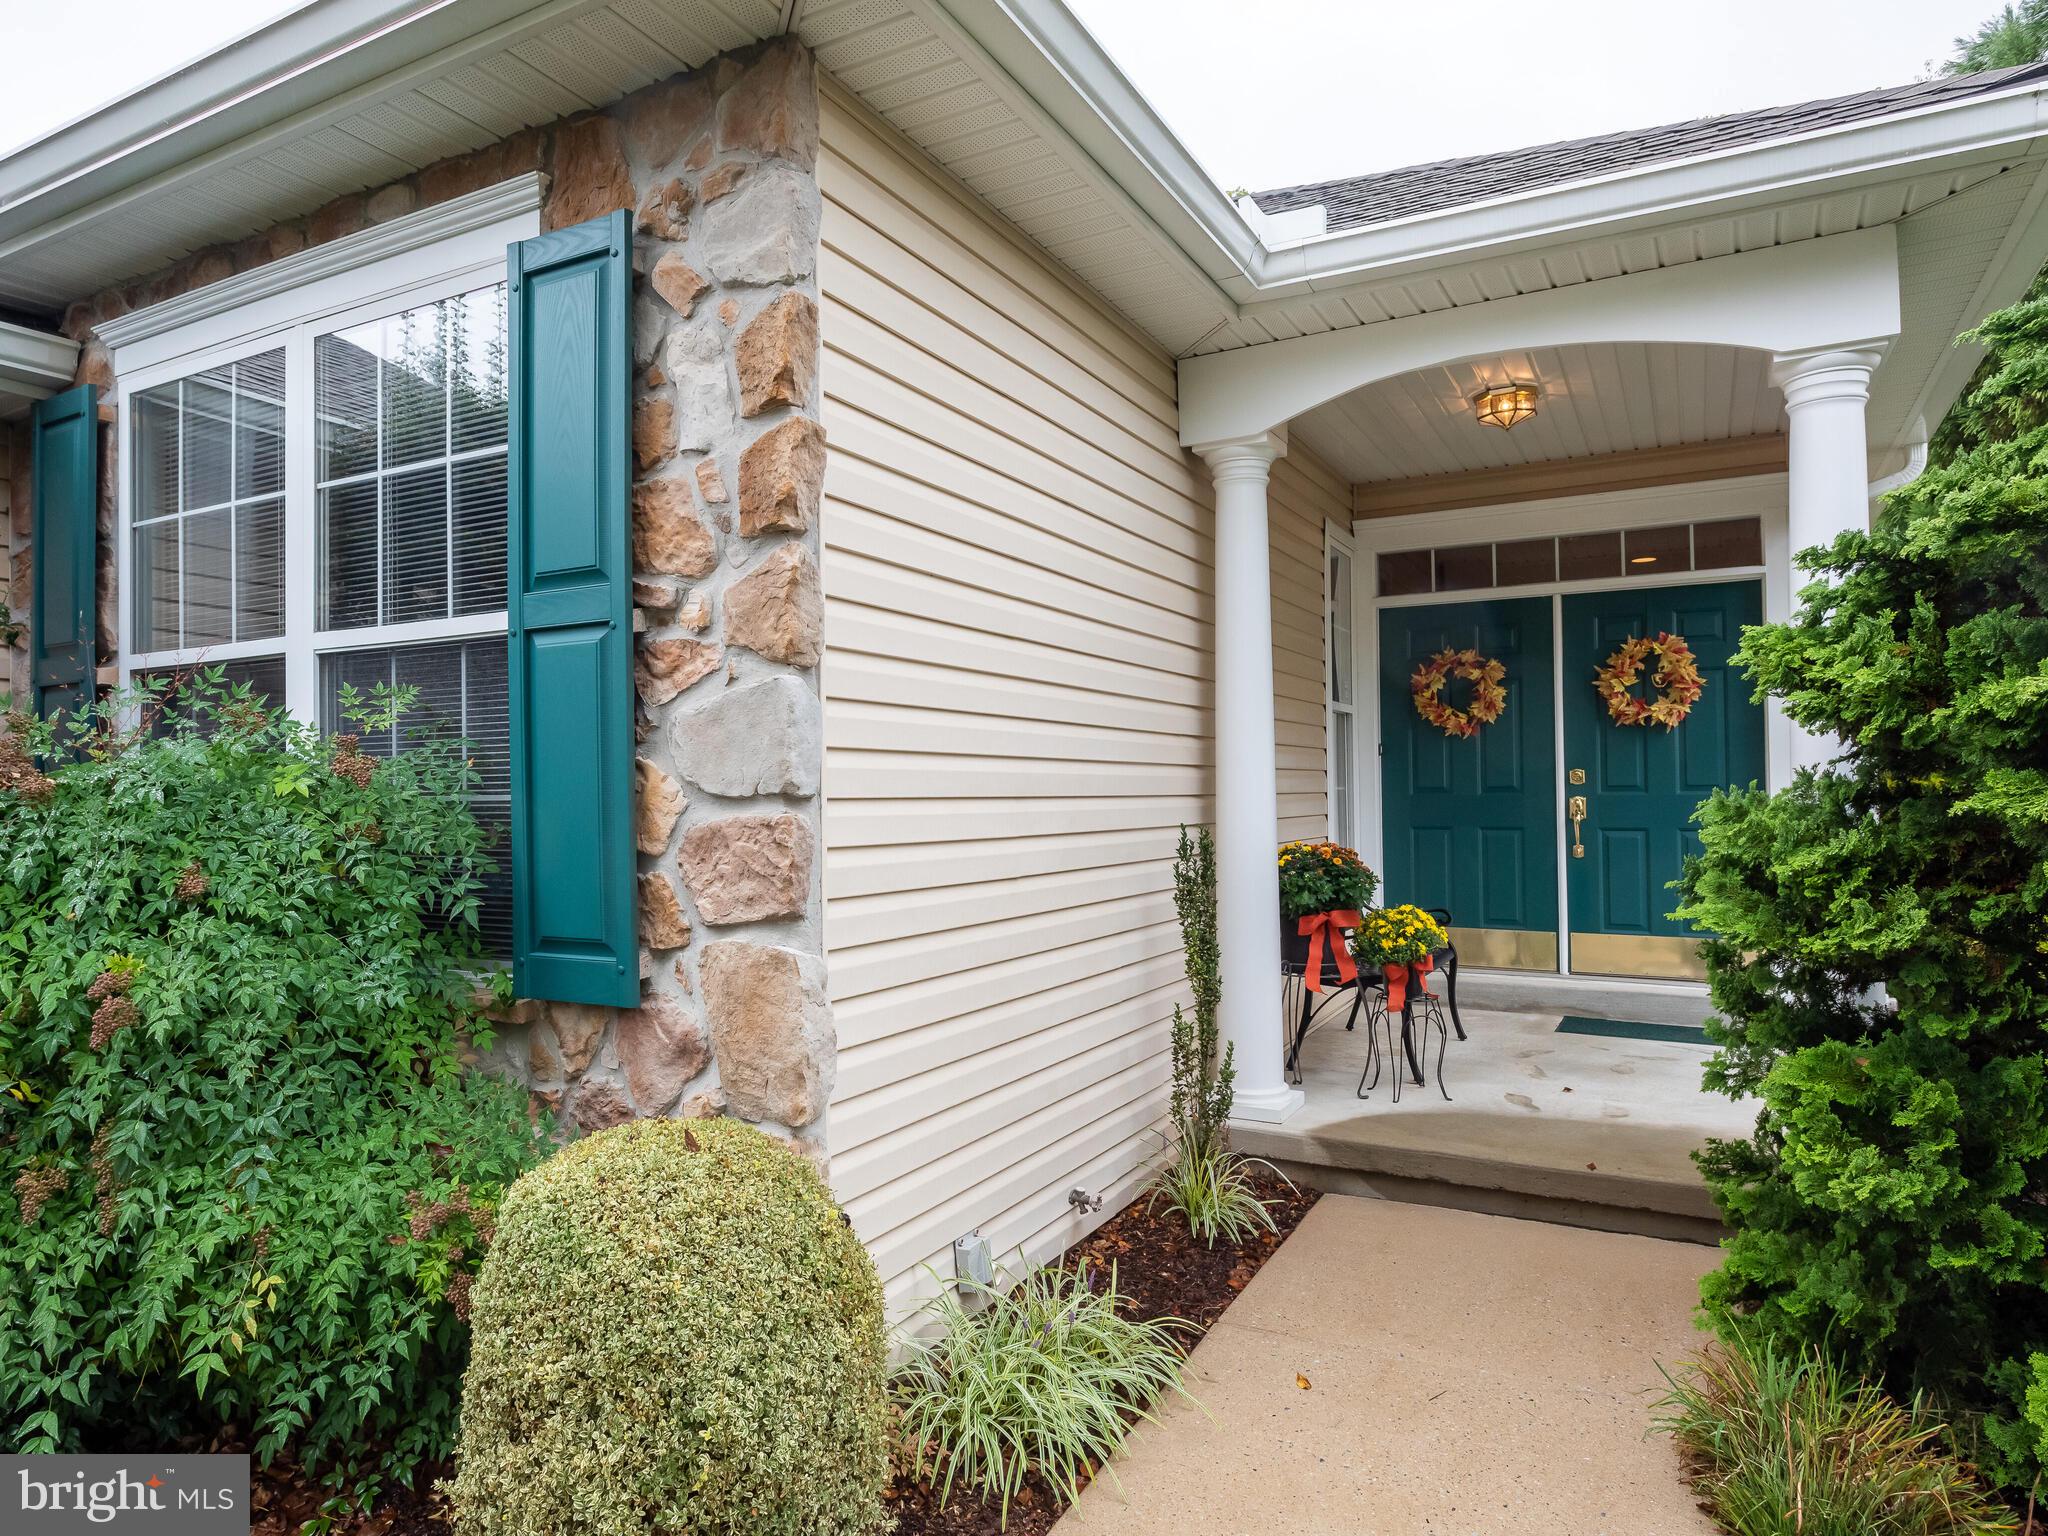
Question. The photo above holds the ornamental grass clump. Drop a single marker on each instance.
(1782, 1441)
(1881, 965)
(1044, 1377)
(675, 1331)
(230, 1037)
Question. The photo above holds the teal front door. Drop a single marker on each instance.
(1471, 822)
(1640, 783)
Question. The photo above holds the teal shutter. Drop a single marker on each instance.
(64, 471)
(574, 925)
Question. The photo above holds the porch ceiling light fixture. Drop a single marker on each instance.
(1504, 405)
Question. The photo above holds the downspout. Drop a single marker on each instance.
(1916, 465)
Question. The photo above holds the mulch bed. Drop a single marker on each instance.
(1161, 1271)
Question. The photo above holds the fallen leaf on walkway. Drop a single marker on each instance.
(1594, 1167)
(1301, 1381)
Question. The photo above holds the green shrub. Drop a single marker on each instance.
(675, 1331)
(248, 1180)
(1882, 965)
(1043, 1377)
(1783, 1442)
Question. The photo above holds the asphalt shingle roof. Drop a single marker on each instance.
(1357, 201)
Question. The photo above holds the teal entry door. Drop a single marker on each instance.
(1641, 783)
(1471, 823)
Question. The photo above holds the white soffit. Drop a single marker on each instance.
(913, 64)
(338, 97)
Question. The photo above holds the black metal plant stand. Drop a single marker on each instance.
(1379, 1020)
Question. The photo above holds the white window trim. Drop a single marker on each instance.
(291, 315)
(1339, 544)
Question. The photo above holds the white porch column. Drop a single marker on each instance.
(1247, 786)
(1828, 469)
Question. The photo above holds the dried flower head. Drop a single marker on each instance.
(458, 1294)
(36, 1187)
(244, 716)
(192, 882)
(348, 761)
(21, 775)
(262, 1242)
(110, 1018)
(109, 984)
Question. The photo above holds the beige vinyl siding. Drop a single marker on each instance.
(1304, 494)
(1017, 688)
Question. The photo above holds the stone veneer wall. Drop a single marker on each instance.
(720, 166)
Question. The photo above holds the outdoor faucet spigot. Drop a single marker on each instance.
(1084, 1202)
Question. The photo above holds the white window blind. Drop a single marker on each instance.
(412, 464)
(208, 524)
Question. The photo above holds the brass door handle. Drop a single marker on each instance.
(1575, 808)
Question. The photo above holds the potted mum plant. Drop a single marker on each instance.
(1398, 942)
(1324, 889)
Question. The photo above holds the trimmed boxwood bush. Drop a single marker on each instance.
(675, 1331)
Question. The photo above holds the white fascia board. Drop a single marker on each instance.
(323, 50)
(2012, 125)
(1040, 43)
(268, 90)
(1044, 47)
(1834, 291)
(35, 364)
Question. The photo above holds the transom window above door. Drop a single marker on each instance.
(326, 506)
(1722, 544)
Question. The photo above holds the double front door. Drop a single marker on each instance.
(1484, 824)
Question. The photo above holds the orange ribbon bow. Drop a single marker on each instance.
(1397, 981)
(1322, 928)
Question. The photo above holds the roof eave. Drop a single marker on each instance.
(1043, 46)
(2010, 125)
(300, 64)
(34, 365)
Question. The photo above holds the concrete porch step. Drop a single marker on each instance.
(1584, 1130)
(1648, 1207)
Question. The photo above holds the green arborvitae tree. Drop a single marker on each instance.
(1882, 965)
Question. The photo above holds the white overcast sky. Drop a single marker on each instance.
(1264, 92)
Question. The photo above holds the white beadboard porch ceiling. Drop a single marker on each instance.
(1596, 399)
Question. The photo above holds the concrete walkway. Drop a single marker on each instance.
(1466, 1374)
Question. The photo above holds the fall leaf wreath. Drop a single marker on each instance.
(1676, 676)
(1489, 695)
